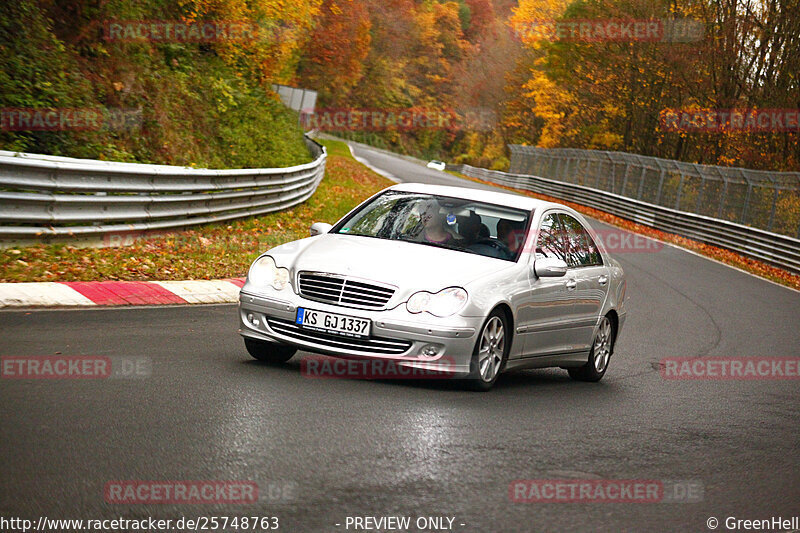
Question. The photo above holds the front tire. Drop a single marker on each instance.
(268, 351)
(490, 353)
(599, 356)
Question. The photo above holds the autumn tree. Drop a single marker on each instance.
(333, 61)
(282, 30)
(608, 94)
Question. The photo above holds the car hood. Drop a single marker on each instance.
(410, 266)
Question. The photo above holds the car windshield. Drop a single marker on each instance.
(445, 222)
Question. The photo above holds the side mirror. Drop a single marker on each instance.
(549, 267)
(318, 228)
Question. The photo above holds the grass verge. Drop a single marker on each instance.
(213, 251)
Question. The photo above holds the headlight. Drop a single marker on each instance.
(444, 303)
(265, 272)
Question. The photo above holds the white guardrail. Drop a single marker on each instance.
(772, 248)
(44, 198)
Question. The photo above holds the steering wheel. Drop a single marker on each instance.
(496, 245)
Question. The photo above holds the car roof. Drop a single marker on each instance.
(467, 193)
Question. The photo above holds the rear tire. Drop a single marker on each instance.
(599, 356)
(490, 352)
(268, 351)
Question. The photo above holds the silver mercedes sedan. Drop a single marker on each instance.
(461, 282)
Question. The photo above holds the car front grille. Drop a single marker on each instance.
(374, 345)
(344, 291)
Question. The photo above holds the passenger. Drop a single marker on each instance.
(507, 234)
(433, 221)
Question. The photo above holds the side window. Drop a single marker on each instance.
(550, 242)
(581, 249)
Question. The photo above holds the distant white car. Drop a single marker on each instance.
(437, 165)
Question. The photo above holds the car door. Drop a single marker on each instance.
(545, 318)
(591, 277)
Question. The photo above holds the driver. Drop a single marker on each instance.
(470, 228)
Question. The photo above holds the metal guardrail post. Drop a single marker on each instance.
(544, 162)
(575, 168)
(661, 177)
(724, 194)
(772, 211)
(743, 219)
(598, 169)
(722, 199)
(613, 170)
(698, 203)
(625, 177)
(641, 182)
(774, 202)
(680, 191)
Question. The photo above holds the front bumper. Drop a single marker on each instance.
(396, 335)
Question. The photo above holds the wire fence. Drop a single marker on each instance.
(760, 199)
(780, 250)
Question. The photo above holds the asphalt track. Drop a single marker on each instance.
(325, 449)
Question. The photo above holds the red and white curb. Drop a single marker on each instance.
(95, 293)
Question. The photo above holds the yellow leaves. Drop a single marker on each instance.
(527, 19)
(551, 103)
(495, 147)
(335, 9)
(281, 29)
(611, 109)
(533, 10)
(605, 140)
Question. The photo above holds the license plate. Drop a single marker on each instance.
(347, 326)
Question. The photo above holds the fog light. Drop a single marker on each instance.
(429, 350)
(252, 319)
